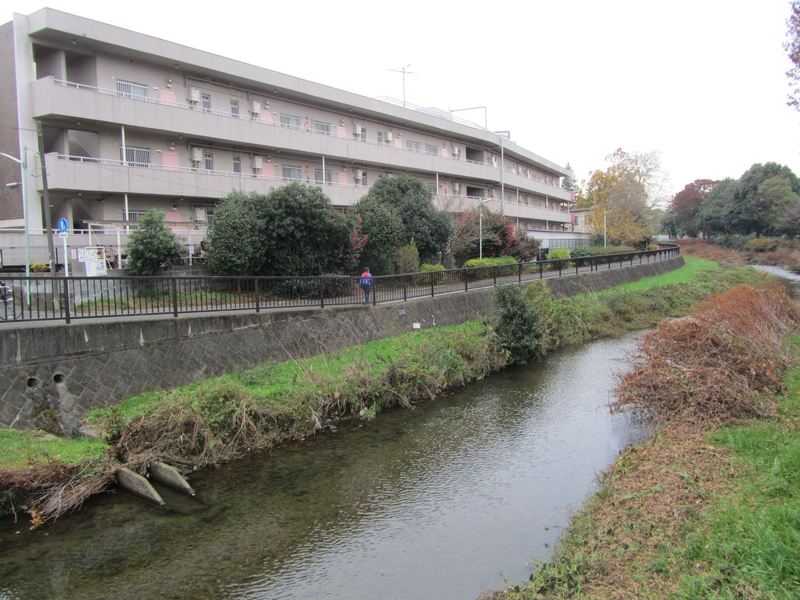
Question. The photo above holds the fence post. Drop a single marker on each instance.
(322, 292)
(466, 280)
(432, 283)
(541, 269)
(576, 266)
(174, 285)
(66, 300)
(494, 276)
(374, 291)
(559, 268)
(255, 289)
(519, 274)
(405, 288)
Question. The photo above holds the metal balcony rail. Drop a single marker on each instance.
(68, 298)
(245, 115)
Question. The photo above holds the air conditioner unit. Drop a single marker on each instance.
(194, 94)
(358, 131)
(388, 136)
(456, 188)
(494, 161)
(360, 176)
(255, 108)
(457, 152)
(197, 155)
(258, 163)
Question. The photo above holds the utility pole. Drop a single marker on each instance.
(48, 220)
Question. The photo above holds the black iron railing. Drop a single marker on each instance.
(67, 298)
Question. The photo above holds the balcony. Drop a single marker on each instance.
(56, 98)
(76, 173)
(510, 208)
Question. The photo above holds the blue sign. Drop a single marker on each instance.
(63, 225)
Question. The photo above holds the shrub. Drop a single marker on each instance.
(558, 254)
(506, 265)
(39, 268)
(517, 325)
(761, 245)
(430, 274)
(152, 246)
(406, 258)
(601, 250)
(580, 252)
(382, 225)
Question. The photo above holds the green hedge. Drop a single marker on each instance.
(481, 267)
(430, 273)
(309, 288)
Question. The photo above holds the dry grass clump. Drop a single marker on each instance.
(715, 366)
(709, 251)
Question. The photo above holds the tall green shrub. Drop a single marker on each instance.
(383, 227)
(153, 246)
(518, 325)
(407, 258)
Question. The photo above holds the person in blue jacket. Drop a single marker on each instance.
(366, 282)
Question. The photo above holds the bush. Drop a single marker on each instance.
(39, 268)
(558, 254)
(507, 265)
(406, 258)
(382, 225)
(517, 325)
(761, 245)
(430, 274)
(152, 246)
(602, 250)
(580, 252)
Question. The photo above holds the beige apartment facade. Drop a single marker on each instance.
(131, 122)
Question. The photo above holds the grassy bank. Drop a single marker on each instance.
(223, 417)
(703, 509)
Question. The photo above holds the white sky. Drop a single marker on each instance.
(702, 81)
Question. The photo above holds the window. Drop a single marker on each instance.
(318, 176)
(134, 215)
(360, 133)
(135, 156)
(206, 102)
(237, 163)
(290, 121)
(128, 89)
(413, 146)
(235, 108)
(380, 137)
(208, 160)
(291, 173)
(432, 149)
(203, 213)
(321, 127)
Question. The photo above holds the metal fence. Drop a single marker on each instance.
(68, 298)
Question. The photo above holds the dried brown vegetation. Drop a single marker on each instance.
(715, 366)
(709, 251)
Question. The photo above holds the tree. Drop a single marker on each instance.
(711, 216)
(384, 230)
(237, 236)
(568, 181)
(429, 227)
(762, 192)
(684, 206)
(518, 325)
(152, 246)
(293, 230)
(793, 49)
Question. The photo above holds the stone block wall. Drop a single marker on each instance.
(51, 375)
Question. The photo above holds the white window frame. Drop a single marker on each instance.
(205, 102)
(208, 160)
(297, 168)
(318, 176)
(413, 146)
(237, 163)
(432, 149)
(321, 127)
(136, 156)
(234, 108)
(290, 121)
(130, 89)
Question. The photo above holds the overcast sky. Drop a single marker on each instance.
(702, 82)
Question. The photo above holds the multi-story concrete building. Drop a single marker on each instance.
(133, 122)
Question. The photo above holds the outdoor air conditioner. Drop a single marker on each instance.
(255, 108)
(358, 131)
(494, 161)
(258, 163)
(197, 155)
(194, 94)
(457, 152)
(388, 136)
(456, 188)
(200, 215)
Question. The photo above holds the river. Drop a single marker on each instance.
(445, 501)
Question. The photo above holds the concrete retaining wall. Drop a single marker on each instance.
(52, 375)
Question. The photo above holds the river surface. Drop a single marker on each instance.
(446, 501)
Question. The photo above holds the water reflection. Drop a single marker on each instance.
(439, 502)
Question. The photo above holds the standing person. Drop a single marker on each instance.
(366, 283)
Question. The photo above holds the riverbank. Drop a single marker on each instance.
(225, 417)
(710, 505)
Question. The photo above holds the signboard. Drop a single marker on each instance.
(95, 259)
(62, 225)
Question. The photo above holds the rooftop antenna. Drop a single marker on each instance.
(404, 70)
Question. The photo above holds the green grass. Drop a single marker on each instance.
(688, 273)
(750, 543)
(21, 449)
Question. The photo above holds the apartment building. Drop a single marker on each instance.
(131, 122)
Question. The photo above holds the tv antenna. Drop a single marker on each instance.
(404, 70)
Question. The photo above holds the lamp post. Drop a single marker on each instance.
(605, 237)
(504, 135)
(24, 167)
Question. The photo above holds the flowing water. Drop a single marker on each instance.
(445, 501)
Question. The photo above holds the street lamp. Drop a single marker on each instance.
(504, 135)
(24, 166)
